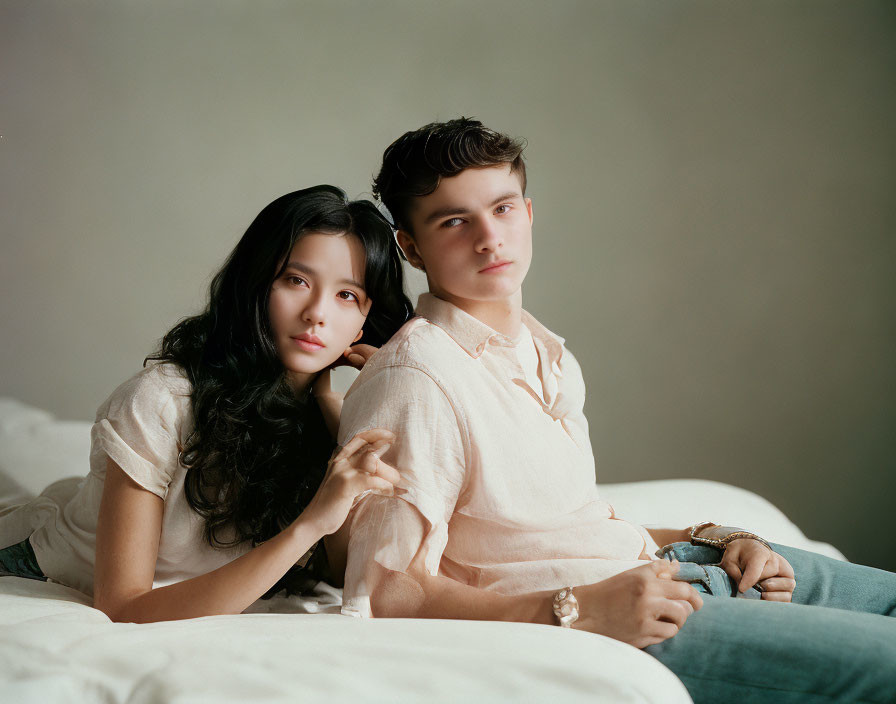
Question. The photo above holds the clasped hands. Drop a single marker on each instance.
(748, 562)
(645, 605)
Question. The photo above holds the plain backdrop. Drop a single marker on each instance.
(713, 186)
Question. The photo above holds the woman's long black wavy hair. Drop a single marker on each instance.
(258, 452)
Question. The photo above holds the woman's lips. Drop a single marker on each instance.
(495, 268)
(307, 343)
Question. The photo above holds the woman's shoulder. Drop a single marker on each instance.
(158, 386)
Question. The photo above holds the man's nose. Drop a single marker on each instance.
(488, 236)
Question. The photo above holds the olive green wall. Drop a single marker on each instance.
(713, 186)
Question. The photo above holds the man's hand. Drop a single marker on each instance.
(640, 606)
(749, 563)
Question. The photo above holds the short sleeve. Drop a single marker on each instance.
(138, 428)
(428, 452)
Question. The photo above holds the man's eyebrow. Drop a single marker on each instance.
(305, 269)
(458, 210)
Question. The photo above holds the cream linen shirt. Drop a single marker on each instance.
(497, 480)
(142, 426)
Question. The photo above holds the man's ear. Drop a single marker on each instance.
(529, 208)
(409, 247)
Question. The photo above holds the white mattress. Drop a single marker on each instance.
(55, 648)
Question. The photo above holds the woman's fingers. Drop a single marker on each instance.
(377, 437)
(387, 472)
(357, 355)
(375, 484)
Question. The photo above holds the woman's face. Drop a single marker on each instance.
(318, 304)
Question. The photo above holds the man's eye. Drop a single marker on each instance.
(453, 222)
(501, 209)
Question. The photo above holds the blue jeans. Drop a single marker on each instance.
(19, 561)
(835, 642)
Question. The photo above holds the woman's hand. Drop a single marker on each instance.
(640, 606)
(749, 563)
(353, 469)
(356, 356)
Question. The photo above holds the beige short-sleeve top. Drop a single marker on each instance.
(142, 427)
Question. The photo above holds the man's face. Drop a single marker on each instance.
(472, 236)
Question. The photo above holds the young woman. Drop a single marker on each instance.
(211, 480)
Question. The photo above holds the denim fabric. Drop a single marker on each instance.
(19, 561)
(699, 567)
(835, 642)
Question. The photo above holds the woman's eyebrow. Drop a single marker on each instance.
(310, 271)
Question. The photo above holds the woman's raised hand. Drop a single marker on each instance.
(357, 355)
(353, 469)
(640, 606)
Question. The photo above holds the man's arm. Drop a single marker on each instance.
(641, 606)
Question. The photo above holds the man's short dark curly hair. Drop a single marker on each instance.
(415, 163)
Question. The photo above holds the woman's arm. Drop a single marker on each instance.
(129, 528)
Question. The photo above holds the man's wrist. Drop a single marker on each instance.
(716, 536)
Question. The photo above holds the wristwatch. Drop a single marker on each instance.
(566, 607)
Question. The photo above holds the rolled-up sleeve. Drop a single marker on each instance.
(138, 429)
(429, 452)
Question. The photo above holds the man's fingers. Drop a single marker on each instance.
(752, 573)
(731, 567)
(682, 591)
(675, 611)
(778, 584)
(785, 597)
(664, 569)
(662, 630)
(784, 567)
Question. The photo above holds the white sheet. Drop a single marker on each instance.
(55, 648)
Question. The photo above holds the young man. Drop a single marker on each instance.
(497, 513)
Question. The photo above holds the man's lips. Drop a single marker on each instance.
(308, 342)
(495, 267)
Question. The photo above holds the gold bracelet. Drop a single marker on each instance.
(726, 534)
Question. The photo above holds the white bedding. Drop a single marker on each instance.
(55, 648)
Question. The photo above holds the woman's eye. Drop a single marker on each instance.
(295, 280)
(347, 296)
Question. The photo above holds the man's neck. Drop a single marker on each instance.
(503, 316)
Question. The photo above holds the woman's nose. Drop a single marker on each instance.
(313, 313)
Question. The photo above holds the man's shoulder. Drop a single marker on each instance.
(419, 344)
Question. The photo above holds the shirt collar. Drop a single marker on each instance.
(472, 334)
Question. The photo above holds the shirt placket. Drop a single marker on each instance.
(503, 349)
